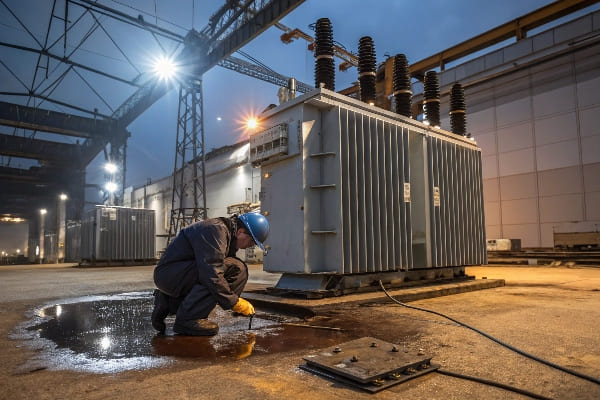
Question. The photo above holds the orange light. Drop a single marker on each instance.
(247, 123)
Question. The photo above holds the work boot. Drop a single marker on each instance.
(195, 327)
(160, 311)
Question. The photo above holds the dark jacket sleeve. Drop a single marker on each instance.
(211, 244)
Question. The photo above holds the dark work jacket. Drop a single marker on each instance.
(197, 252)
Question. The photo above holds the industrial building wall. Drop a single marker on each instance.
(534, 109)
(230, 179)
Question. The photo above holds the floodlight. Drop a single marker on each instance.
(165, 68)
(110, 168)
(252, 123)
(111, 187)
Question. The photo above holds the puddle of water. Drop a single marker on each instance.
(108, 334)
(276, 339)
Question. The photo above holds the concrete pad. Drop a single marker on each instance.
(310, 307)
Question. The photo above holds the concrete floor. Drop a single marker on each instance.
(552, 312)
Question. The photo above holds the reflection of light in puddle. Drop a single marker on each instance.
(105, 343)
(101, 334)
(113, 333)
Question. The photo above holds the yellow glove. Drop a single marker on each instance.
(243, 307)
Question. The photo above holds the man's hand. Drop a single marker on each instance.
(243, 307)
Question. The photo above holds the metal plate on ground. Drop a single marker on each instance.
(368, 363)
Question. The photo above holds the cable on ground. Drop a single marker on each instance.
(493, 383)
(508, 346)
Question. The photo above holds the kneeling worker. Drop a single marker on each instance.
(199, 270)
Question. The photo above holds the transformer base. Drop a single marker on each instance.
(314, 286)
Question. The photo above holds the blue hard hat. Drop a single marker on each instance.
(257, 225)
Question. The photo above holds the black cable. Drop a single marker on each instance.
(493, 383)
(508, 346)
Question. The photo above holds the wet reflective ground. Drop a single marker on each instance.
(113, 333)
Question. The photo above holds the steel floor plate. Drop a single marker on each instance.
(368, 363)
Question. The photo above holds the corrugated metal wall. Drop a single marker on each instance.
(73, 241)
(457, 219)
(376, 223)
(50, 248)
(384, 207)
(118, 233)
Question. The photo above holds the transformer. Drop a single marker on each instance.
(355, 191)
(117, 235)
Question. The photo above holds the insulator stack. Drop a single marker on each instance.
(402, 89)
(431, 103)
(366, 69)
(458, 108)
(324, 64)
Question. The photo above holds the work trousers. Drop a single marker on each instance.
(191, 299)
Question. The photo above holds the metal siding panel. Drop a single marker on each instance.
(438, 209)
(448, 205)
(384, 206)
(346, 185)
(355, 193)
(407, 208)
(476, 221)
(151, 240)
(389, 198)
(454, 205)
(433, 223)
(362, 200)
(430, 173)
(477, 206)
(467, 206)
(377, 240)
(136, 240)
(472, 214)
(460, 204)
(465, 201)
(479, 186)
(123, 224)
(450, 209)
(467, 231)
(403, 232)
(366, 134)
(396, 196)
(98, 251)
(438, 212)
(443, 202)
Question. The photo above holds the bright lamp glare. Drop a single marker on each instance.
(110, 168)
(252, 123)
(111, 187)
(165, 68)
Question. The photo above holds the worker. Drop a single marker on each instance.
(199, 270)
